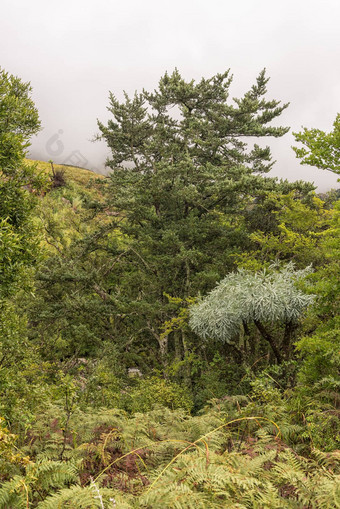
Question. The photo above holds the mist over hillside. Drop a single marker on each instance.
(76, 52)
(63, 148)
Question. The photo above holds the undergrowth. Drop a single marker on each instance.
(228, 456)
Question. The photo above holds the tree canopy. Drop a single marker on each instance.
(267, 297)
(320, 149)
(182, 177)
(18, 122)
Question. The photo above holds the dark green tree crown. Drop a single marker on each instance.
(187, 120)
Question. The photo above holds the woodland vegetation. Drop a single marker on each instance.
(169, 334)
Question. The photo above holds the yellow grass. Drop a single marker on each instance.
(78, 175)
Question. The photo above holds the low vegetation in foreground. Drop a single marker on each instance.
(169, 334)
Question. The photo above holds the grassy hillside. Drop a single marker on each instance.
(74, 174)
(70, 207)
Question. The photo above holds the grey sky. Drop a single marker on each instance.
(74, 52)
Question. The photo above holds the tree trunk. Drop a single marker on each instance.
(187, 365)
(163, 347)
(268, 337)
(287, 338)
(162, 340)
(178, 352)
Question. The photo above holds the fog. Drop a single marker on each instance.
(74, 52)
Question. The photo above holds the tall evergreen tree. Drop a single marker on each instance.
(182, 174)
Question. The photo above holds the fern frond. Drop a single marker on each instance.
(77, 497)
(14, 493)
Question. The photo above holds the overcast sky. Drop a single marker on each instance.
(73, 52)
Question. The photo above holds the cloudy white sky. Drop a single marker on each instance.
(75, 51)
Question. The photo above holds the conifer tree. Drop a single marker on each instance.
(182, 173)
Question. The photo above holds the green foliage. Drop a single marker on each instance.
(19, 249)
(180, 183)
(90, 497)
(157, 391)
(165, 458)
(266, 480)
(320, 149)
(11, 458)
(39, 479)
(295, 231)
(321, 358)
(206, 129)
(218, 379)
(320, 349)
(327, 280)
(270, 296)
(18, 244)
(241, 297)
(237, 418)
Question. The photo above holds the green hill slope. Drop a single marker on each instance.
(74, 174)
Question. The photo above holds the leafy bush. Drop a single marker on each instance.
(153, 391)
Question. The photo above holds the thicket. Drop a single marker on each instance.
(169, 335)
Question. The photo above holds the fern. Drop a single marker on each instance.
(168, 459)
(77, 497)
(39, 479)
(14, 494)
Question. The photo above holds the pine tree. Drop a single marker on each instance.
(182, 174)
